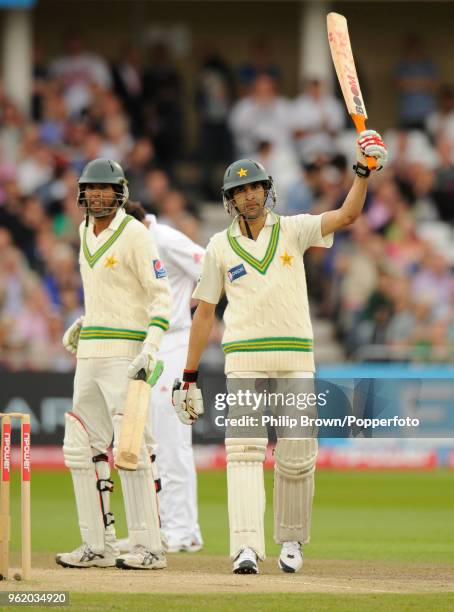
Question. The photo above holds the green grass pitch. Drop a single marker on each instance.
(384, 516)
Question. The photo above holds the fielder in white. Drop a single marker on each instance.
(127, 310)
(258, 262)
(182, 259)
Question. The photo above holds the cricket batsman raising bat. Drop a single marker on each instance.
(259, 258)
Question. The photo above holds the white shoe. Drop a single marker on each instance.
(85, 557)
(291, 557)
(141, 558)
(246, 562)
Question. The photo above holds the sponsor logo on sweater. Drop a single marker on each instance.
(159, 270)
(236, 272)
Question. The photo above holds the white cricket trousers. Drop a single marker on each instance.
(175, 457)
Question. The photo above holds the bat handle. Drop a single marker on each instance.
(360, 125)
(141, 375)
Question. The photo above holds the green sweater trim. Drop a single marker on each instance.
(93, 258)
(305, 345)
(111, 333)
(159, 322)
(261, 265)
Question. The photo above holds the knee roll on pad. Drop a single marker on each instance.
(246, 493)
(76, 445)
(246, 449)
(79, 459)
(294, 489)
(295, 459)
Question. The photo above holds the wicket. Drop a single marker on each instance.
(5, 518)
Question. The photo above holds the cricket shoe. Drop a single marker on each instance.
(246, 562)
(291, 557)
(85, 557)
(141, 558)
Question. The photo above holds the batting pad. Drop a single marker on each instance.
(78, 458)
(141, 500)
(246, 494)
(294, 489)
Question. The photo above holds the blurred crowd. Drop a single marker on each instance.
(387, 284)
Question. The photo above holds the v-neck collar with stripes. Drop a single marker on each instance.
(261, 265)
(92, 258)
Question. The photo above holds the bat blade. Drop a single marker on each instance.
(344, 63)
(135, 416)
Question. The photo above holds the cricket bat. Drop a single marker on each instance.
(135, 417)
(341, 52)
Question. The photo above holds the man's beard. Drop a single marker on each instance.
(253, 215)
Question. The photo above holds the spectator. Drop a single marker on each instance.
(434, 282)
(61, 274)
(128, 84)
(281, 165)
(214, 97)
(444, 179)
(164, 115)
(12, 125)
(440, 123)
(260, 63)
(417, 80)
(316, 119)
(264, 107)
(302, 193)
(78, 71)
(139, 162)
(403, 320)
(158, 186)
(118, 141)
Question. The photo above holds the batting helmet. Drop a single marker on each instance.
(104, 172)
(244, 172)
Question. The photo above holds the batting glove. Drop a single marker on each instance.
(187, 398)
(371, 144)
(70, 339)
(145, 360)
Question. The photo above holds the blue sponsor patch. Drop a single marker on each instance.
(159, 270)
(236, 272)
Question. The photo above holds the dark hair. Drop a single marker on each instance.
(136, 210)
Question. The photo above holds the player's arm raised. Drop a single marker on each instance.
(370, 144)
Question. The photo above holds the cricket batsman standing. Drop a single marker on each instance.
(258, 262)
(127, 310)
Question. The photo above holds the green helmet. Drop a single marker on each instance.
(244, 172)
(103, 172)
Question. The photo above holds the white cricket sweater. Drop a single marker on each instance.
(267, 322)
(126, 291)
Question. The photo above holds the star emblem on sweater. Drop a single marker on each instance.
(110, 261)
(242, 172)
(286, 259)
